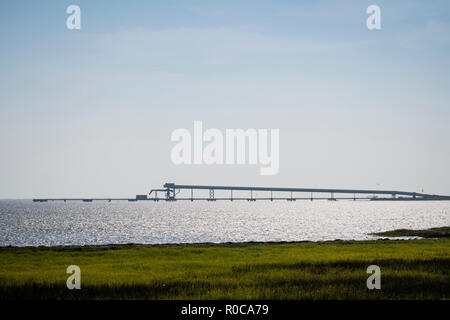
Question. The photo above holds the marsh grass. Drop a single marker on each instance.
(414, 269)
(441, 232)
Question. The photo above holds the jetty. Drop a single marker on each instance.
(171, 192)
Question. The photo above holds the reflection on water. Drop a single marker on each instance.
(24, 223)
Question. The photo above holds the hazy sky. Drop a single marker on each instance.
(90, 112)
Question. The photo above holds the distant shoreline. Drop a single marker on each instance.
(201, 244)
(441, 232)
(394, 235)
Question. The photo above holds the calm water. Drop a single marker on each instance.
(24, 223)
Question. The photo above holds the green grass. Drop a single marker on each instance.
(414, 269)
(441, 232)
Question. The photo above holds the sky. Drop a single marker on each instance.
(90, 112)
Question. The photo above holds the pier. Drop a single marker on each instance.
(171, 191)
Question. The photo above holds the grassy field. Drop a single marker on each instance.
(413, 269)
